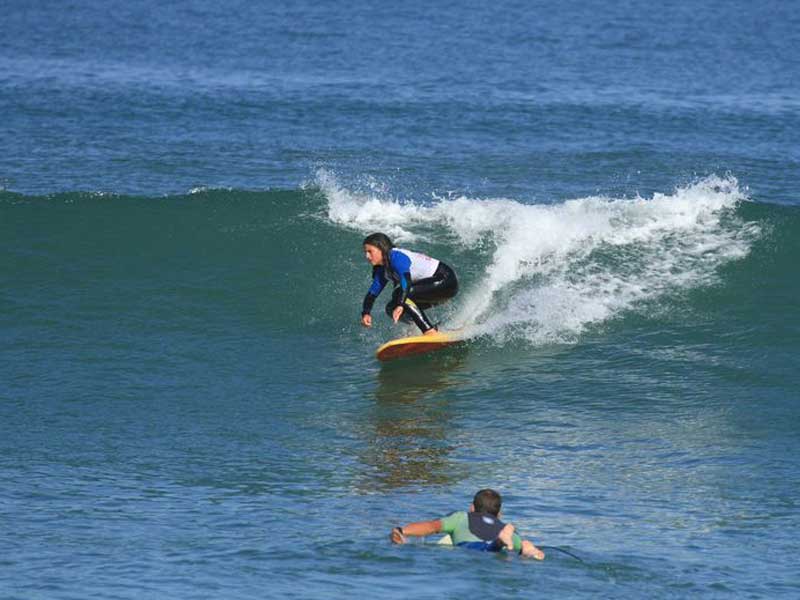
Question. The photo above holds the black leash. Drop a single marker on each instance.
(567, 552)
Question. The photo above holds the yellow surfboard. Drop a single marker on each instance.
(417, 344)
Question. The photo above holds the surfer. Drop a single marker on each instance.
(419, 282)
(478, 529)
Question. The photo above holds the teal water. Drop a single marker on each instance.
(189, 407)
(189, 411)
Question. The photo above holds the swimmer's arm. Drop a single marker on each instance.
(418, 529)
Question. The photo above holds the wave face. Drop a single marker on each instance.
(544, 273)
(195, 357)
(291, 260)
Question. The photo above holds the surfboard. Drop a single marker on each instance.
(417, 344)
(445, 540)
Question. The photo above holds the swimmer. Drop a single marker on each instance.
(478, 529)
(419, 282)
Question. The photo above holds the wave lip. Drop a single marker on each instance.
(550, 271)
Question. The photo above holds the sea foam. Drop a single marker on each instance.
(552, 270)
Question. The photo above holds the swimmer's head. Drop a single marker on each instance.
(377, 247)
(487, 501)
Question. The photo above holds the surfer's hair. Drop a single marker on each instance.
(382, 242)
(487, 501)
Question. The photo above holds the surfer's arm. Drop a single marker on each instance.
(405, 285)
(401, 264)
(418, 529)
(378, 283)
(366, 306)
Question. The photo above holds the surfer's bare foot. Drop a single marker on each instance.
(506, 536)
(529, 550)
(433, 331)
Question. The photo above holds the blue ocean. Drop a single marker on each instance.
(189, 404)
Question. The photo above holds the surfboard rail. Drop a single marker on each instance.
(417, 344)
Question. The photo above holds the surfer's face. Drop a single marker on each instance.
(373, 254)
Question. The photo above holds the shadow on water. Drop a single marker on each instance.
(407, 431)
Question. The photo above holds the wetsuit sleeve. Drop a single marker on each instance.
(401, 264)
(378, 283)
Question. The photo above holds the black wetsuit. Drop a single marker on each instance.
(414, 295)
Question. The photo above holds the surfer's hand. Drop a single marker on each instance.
(366, 320)
(397, 313)
(397, 536)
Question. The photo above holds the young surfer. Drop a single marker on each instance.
(419, 282)
(478, 529)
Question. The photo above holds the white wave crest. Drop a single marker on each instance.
(553, 270)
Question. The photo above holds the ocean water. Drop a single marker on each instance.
(189, 407)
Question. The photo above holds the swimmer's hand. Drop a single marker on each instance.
(397, 313)
(397, 536)
(366, 320)
(531, 551)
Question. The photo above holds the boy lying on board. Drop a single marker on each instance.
(478, 529)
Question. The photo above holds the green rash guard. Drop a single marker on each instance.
(457, 525)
